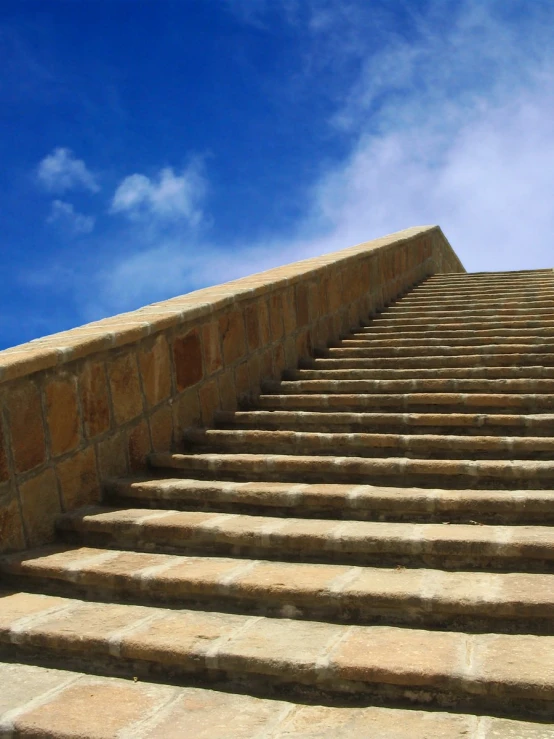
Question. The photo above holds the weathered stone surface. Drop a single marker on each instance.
(94, 398)
(231, 329)
(155, 370)
(26, 426)
(62, 414)
(125, 387)
(187, 358)
(40, 505)
(78, 478)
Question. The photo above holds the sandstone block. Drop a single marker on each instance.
(125, 387)
(62, 414)
(161, 429)
(155, 371)
(93, 386)
(26, 426)
(40, 505)
(231, 329)
(187, 357)
(139, 446)
(78, 479)
(212, 347)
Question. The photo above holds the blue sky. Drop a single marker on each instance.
(153, 147)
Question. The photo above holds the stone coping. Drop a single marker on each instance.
(125, 328)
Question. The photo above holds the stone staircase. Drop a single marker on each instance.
(369, 551)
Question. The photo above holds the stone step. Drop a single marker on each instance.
(381, 323)
(514, 602)
(413, 423)
(60, 704)
(396, 471)
(420, 446)
(545, 351)
(453, 373)
(349, 502)
(423, 334)
(506, 356)
(466, 361)
(474, 671)
(434, 305)
(504, 403)
(469, 313)
(361, 341)
(479, 293)
(467, 277)
(455, 546)
(520, 386)
(340, 369)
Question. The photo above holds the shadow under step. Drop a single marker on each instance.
(482, 601)
(518, 548)
(356, 444)
(476, 424)
(507, 674)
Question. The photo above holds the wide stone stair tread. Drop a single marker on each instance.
(358, 542)
(493, 402)
(413, 385)
(341, 593)
(468, 361)
(412, 423)
(355, 502)
(55, 703)
(480, 669)
(341, 369)
(344, 350)
(358, 444)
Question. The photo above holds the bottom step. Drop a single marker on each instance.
(511, 675)
(41, 702)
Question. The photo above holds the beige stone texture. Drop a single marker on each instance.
(12, 536)
(4, 471)
(182, 637)
(62, 414)
(231, 329)
(112, 455)
(78, 478)
(301, 645)
(302, 306)
(263, 322)
(186, 411)
(524, 662)
(161, 429)
(139, 446)
(399, 656)
(227, 391)
(212, 348)
(155, 370)
(187, 358)
(93, 388)
(125, 387)
(16, 606)
(40, 504)
(242, 380)
(209, 401)
(203, 714)
(252, 325)
(276, 316)
(92, 709)
(26, 426)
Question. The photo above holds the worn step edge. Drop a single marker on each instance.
(334, 367)
(425, 341)
(428, 351)
(294, 590)
(366, 470)
(468, 361)
(502, 402)
(445, 423)
(313, 539)
(368, 444)
(413, 385)
(61, 704)
(328, 657)
(340, 501)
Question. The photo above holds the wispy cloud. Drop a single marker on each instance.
(61, 171)
(65, 216)
(168, 196)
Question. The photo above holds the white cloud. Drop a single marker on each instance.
(61, 171)
(168, 197)
(66, 217)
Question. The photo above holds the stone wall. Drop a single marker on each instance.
(88, 404)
